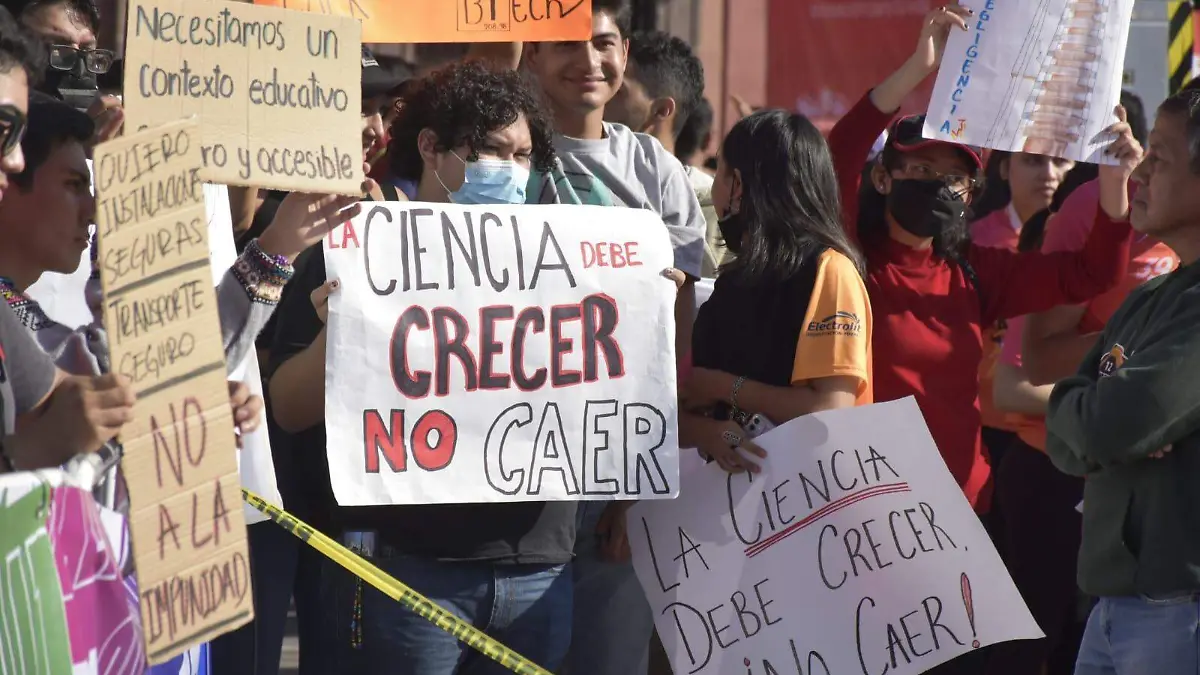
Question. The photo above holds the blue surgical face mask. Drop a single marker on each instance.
(490, 181)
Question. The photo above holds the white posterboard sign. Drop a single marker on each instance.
(1037, 76)
(500, 354)
(854, 551)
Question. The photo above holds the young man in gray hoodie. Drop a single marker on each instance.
(1129, 421)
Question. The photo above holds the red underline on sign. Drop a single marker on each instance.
(828, 509)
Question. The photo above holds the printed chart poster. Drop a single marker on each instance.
(186, 520)
(33, 623)
(1037, 76)
(261, 81)
(854, 551)
(500, 354)
(408, 21)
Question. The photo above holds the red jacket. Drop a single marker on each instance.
(928, 341)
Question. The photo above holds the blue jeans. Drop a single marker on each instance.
(1138, 635)
(612, 620)
(526, 607)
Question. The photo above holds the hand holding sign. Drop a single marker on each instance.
(303, 220)
(935, 32)
(246, 409)
(82, 414)
(1114, 179)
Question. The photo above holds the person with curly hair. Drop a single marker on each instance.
(467, 135)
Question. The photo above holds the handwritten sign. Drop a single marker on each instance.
(1036, 76)
(189, 536)
(262, 80)
(854, 551)
(407, 21)
(500, 353)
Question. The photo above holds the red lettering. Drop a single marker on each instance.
(607, 254)
(631, 254)
(585, 331)
(438, 454)
(349, 235)
(387, 439)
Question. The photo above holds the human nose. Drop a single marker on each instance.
(13, 162)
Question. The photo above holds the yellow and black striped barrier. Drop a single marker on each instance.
(1181, 43)
(392, 588)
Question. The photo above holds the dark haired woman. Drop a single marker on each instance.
(933, 290)
(787, 330)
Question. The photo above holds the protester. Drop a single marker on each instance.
(931, 289)
(692, 145)
(663, 85)
(609, 165)
(1128, 422)
(464, 557)
(787, 331)
(46, 416)
(1019, 185)
(69, 29)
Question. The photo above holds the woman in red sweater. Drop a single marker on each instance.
(931, 289)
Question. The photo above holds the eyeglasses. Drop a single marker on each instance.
(12, 128)
(958, 183)
(66, 57)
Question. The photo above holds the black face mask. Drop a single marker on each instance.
(732, 227)
(925, 208)
(77, 87)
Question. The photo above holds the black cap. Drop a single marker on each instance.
(905, 135)
(378, 81)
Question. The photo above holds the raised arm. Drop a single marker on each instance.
(851, 138)
(1012, 284)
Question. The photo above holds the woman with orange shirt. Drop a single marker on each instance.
(787, 330)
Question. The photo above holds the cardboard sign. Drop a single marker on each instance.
(854, 551)
(500, 354)
(62, 297)
(262, 80)
(1036, 76)
(189, 535)
(408, 21)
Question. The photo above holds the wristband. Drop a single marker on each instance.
(262, 275)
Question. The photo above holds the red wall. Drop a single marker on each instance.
(823, 55)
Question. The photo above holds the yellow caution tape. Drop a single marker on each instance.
(392, 588)
(1180, 44)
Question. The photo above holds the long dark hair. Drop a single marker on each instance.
(872, 215)
(789, 198)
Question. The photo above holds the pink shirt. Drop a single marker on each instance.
(998, 229)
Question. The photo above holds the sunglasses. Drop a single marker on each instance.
(12, 128)
(66, 57)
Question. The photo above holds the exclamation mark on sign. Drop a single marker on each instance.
(969, 602)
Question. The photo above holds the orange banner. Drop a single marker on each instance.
(409, 21)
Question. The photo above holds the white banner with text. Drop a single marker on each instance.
(854, 551)
(500, 353)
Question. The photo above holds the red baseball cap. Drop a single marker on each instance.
(905, 135)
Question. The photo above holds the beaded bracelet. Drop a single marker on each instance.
(261, 274)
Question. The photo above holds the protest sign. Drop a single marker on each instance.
(408, 21)
(854, 551)
(180, 464)
(500, 353)
(62, 297)
(102, 616)
(261, 79)
(1037, 76)
(33, 623)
